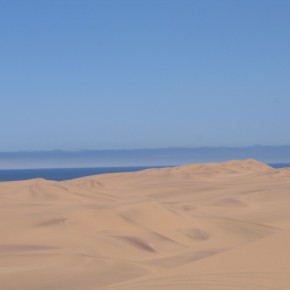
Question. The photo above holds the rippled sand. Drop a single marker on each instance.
(208, 226)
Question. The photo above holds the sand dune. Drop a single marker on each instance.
(201, 226)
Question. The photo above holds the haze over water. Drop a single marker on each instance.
(198, 89)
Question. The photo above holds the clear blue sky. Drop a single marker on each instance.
(80, 74)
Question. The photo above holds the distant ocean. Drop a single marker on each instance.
(59, 174)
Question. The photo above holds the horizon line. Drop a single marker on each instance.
(136, 149)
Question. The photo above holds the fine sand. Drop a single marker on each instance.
(222, 226)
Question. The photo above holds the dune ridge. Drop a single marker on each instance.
(200, 226)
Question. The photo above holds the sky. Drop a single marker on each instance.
(115, 74)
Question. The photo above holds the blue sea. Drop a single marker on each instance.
(59, 174)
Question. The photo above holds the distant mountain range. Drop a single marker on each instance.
(141, 157)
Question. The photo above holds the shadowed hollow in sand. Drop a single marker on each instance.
(204, 226)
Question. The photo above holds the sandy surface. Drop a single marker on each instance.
(213, 226)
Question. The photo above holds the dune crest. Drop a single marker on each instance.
(201, 226)
(233, 166)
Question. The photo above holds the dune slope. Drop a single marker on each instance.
(201, 226)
